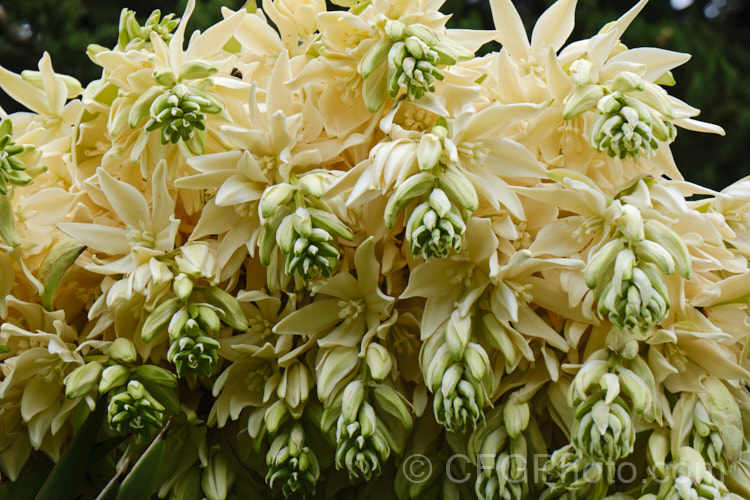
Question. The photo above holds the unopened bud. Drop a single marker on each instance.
(123, 350)
(379, 361)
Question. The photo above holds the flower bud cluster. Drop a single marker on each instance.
(292, 463)
(305, 235)
(501, 450)
(435, 227)
(707, 439)
(134, 409)
(134, 36)
(604, 430)
(180, 113)
(625, 272)
(12, 167)
(192, 324)
(458, 371)
(361, 447)
(568, 474)
(192, 346)
(627, 127)
(632, 115)
(412, 55)
(689, 479)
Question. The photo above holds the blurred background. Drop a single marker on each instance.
(713, 31)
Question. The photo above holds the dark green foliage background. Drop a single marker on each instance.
(714, 80)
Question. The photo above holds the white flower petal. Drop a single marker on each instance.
(127, 202)
(105, 239)
(554, 26)
(511, 32)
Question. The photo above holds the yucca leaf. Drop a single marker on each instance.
(141, 480)
(62, 483)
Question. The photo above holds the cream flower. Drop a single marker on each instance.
(35, 411)
(353, 313)
(148, 235)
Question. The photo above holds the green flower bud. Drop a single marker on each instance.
(392, 402)
(360, 455)
(330, 224)
(182, 286)
(458, 405)
(516, 416)
(159, 318)
(196, 69)
(208, 319)
(218, 477)
(601, 262)
(459, 189)
(275, 416)
(306, 238)
(412, 188)
(177, 324)
(274, 197)
(113, 376)
(583, 72)
(82, 380)
(627, 81)
(429, 151)
(668, 239)
(123, 350)
(164, 77)
(457, 334)
(582, 100)
(690, 479)
(226, 306)
(408, 60)
(156, 375)
(354, 394)
(476, 362)
(378, 361)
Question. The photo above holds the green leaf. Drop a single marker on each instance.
(141, 481)
(27, 486)
(63, 482)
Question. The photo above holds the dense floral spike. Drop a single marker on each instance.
(12, 167)
(133, 35)
(343, 254)
(292, 464)
(134, 409)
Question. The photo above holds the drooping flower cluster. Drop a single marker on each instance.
(314, 245)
